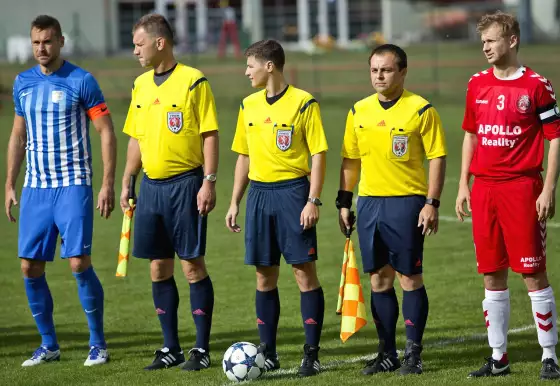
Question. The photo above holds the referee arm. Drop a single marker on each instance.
(349, 174)
(310, 214)
(240, 182)
(429, 217)
(206, 198)
(132, 168)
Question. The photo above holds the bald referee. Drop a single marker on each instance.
(388, 136)
(278, 128)
(173, 131)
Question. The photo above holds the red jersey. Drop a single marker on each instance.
(510, 118)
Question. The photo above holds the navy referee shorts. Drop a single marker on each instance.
(167, 221)
(272, 224)
(388, 233)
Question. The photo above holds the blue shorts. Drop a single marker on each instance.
(272, 224)
(46, 213)
(167, 221)
(389, 234)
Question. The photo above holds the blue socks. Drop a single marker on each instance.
(415, 312)
(91, 296)
(202, 306)
(312, 312)
(41, 305)
(166, 302)
(385, 310)
(268, 313)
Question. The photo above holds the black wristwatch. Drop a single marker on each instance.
(315, 201)
(433, 202)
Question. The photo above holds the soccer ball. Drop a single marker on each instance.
(243, 362)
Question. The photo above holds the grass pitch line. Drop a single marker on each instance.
(333, 364)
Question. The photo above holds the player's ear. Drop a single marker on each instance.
(160, 43)
(513, 41)
(62, 40)
(404, 71)
(269, 66)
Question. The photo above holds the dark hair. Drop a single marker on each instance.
(395, 50)
(155, 24)
(268, 50)
(43, 22)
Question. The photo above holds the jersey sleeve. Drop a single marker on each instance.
(92, 98)
(469, 120)
(130, 123)
(313, 127)
(431, 130)
(350, 147)
(205, 106)
(240, 139)
(548, 111)
(15, 95)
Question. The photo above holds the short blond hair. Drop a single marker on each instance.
(508, 23)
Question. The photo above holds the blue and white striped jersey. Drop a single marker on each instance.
(57, 109)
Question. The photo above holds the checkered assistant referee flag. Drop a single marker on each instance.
(351, 303)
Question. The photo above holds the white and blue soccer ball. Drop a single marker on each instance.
(243, 362)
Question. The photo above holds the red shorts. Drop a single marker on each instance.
(506, 230)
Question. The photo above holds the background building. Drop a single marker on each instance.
(102, 27)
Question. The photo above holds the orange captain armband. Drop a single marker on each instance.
(98, 111)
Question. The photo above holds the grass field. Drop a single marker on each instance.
(454, 338)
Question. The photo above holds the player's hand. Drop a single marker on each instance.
(124, 199)
(11, 200)
(309, 216)
(464, 196)
(106, 200)
(344, 220)
(546, 204)
(231, 218)
(428, 220)
(206, 198)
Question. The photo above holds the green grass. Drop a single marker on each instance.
(132, 328)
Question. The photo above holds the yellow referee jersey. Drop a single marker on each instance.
(278, 138)
(392, 144)
(168, 120)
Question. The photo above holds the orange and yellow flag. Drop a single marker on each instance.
(351, 303)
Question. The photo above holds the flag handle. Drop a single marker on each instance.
(352, 221)
(131, 188)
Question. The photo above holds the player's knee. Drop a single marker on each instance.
(382, 280)
(161, 269)
(31, 268)
(536, 281)
(496, 281)
(80, 263)
(267, 278)
(306, 276)
(194, 270)
(412, 282)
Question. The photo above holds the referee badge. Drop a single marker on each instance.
(283, 139)
(400, 145)
(174, 121)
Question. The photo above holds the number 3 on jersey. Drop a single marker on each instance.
(501, 100)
